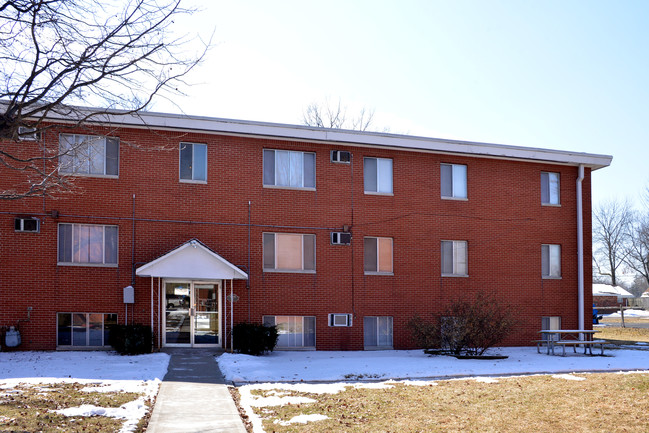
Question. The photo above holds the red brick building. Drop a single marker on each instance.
(344, 235)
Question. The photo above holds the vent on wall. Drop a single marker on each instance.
(340, 238)
(341, 156)
(27, 134)
(340, 320)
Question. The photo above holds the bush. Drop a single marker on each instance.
(254, 339)
(466, 327)
(131, 339)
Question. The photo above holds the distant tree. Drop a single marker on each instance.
(611, 234)
(638, 250)
(334, 115)
(60, 54)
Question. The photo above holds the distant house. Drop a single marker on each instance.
(193, 224)
(605, 295)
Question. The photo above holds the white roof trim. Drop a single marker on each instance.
(211, 125)
(192, 261)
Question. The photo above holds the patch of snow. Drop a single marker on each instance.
(100, 371)
(643, 314)
(568, 377)
(486, 379)
(302, 419)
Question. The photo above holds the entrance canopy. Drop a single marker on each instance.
(193, 261)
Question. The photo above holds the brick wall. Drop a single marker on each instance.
(502, 221)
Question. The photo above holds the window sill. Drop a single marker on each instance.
(456, 275)
(199, 182)
(289, 271)
(92, 265)
(546, 277)
(455, 198)
(294, 188)
(551, 204)
(385, 194)
(101, 176)
(380, 273)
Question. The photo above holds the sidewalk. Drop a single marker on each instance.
(194, 397)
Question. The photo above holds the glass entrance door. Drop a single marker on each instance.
(192, 313)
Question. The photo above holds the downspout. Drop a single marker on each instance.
(580, 250)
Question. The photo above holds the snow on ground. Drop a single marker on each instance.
(642, 314)
(409, 364)
(279, 373)
(102, 371)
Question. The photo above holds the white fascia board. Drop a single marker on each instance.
(352, 138)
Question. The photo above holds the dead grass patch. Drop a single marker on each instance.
(28, 407)
(601, 402)
(623, 334)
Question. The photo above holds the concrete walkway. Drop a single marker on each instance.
(194, 397)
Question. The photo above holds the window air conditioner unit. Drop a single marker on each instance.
(26, 224)
(27, 134)
(341, 156)
(340, 238)
(344, 320)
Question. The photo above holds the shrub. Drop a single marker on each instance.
(466, 327)
(131, 339)
(253, 339)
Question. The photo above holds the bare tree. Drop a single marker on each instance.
(57, 55)
(638, 252)
(328, 115)
(611, 235)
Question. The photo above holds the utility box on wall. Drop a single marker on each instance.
(129, 295)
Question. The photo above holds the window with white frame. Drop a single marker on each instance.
(88, 155)
(289, 252)
(550, 188)
(551, 261)
(87, 244)
(453, 181)
(287, 168)
(551, 323)
(378, 255)
(377, 173)
(295, 332)
(454, 258)
(26, 224)
(193, 162)
(377, 331)
(84, 329)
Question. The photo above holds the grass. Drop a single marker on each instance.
(623, 334)
(28, 407)
(600, 402)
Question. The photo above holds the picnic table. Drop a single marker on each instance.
(570, 337)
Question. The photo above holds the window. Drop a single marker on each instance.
(550, 188)
(289, 169)
(26, 224)
(378, 175)
(87, 244)
(88, 154)
(454, 258)
(289, 252)
(550, 322)
(193, 162)
(377, 332)
(84, 329)
(378, 255)
(453, 181)
(340, 320)
(295, 332)
(551, 261)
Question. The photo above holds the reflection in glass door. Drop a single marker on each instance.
(192, 313)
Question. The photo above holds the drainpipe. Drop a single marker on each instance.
(580, 250)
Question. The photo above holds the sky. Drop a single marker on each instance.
(552, 74)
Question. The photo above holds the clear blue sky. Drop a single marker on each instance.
(571, 75)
